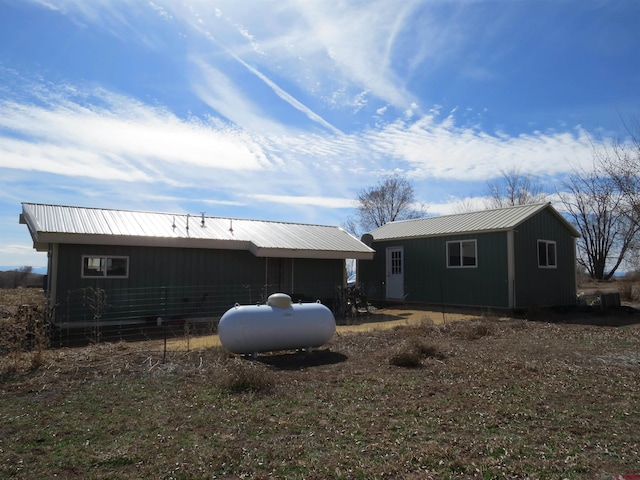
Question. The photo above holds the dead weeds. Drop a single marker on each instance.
(487, 398)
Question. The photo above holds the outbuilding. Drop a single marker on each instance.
(511, 258)
(123, 266)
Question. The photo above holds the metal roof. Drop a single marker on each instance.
(501, 219)
(97, 226)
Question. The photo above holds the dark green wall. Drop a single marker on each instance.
(427, 278)
(544, 286)
(171, 282)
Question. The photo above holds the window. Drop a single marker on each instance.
(110, 267)
(462, 254)
(546, 254)
(396, 262)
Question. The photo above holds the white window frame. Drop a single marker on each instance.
(460, 243)
(547, 244)
(103, 268)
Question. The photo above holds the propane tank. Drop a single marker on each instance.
(278, 325)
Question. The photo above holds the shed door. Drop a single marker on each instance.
(395, 273)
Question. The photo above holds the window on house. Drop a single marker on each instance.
(462, 253)
(110, 267)
(546, 254)
(396, 262)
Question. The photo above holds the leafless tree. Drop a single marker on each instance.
(15, 278)
(393, 198)
(514, 188)
(465, 205)
(602, 214)
(622, 163)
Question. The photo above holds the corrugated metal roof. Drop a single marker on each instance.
(501, 219)
(78, 225)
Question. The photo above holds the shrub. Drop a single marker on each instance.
(406, 358)
(470, 330)
(410, 354)
(246, 377)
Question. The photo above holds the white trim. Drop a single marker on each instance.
(555, 253)
(103, 264)
(388, 271)
(475, 245)
(204, 243)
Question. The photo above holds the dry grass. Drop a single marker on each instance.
(486, 398)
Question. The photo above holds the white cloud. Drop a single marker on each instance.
(121, 140)
(117, 138)
(20, 255)
(219, 92)
(443, 150)
(319, 201)
(323, 46)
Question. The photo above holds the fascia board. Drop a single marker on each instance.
(318, 254)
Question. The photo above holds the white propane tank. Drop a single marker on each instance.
(278, 325)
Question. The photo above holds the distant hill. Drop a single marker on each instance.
(38, 270)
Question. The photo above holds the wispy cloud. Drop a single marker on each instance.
(123, 139)
(318, 201)
(441, 149)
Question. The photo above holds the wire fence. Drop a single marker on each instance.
(174, 318)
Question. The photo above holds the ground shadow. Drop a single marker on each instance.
(300, 360)
(585, 315)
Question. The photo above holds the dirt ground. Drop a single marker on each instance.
(380, 319)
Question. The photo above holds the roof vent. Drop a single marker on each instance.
(367, 239)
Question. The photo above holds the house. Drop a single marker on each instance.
(515, 257)
(129, 266)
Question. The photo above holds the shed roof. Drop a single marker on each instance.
(98, 226)
(496, 220)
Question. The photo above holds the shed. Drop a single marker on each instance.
(132, 266)
(514, 257)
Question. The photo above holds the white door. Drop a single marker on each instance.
(395, 273)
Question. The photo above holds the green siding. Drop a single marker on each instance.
(428, 280)
(186, 282)
(544, 286)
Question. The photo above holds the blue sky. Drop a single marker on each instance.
(283, 110)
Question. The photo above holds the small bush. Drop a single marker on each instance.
(245, 377)
(471, 330)
(429, 350)
(410, 354)
(406, 358)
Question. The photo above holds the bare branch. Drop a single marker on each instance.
(514, 188)
(392, 199)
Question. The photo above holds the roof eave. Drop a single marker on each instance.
(317, 254)
(447, 234)
(43, 240)
(139, 241)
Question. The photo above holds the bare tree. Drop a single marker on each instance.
(514, 188)
(602, 214)
(622, 163)
(393, 198)
(16, 278)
